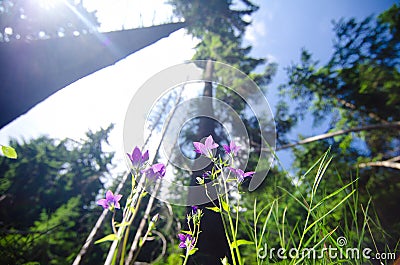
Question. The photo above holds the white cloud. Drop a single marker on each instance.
(271, 58)
(255, 32)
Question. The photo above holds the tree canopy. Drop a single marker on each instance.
(214, 16)
(47, 197)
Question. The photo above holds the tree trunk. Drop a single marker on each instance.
(212, 243)
(33, 71)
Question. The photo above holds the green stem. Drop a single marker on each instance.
(223, 223)
(113, 223)
(236, 227)
(186, 257)
(231, 224)
(141, 244)
(129, 216)
(226, 230)
(306, 223)
(121, 262)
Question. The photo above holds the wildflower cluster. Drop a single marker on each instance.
(231, 150)
(144, 174)
(188, 239)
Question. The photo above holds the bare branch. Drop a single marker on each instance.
(386, 163)
(340, 132)
(394, 159)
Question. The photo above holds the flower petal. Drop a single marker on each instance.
(195, 208)
(209, 141)
(182, 245)
(210, 144)
(136, 156)
(234, 148)
(203, 149)
(159, 169)
(226, 148)
(103, 203)
(232, 169)
(182, 237)
(145, 156)
(109, 196)
(249, 173)
(197, 147)
(117, 197)
(240, 172)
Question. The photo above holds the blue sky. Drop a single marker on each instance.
(283, 27)
(280, 29)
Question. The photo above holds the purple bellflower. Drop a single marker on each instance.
(111, 200)
(206, 174)
(156, 171)
(232, 148)
(195, 208)
(187, 241)
(137, 158)
(240, 174)
(205, 149)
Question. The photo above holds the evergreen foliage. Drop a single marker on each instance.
(47, 196)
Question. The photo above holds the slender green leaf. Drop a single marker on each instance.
(192, 251)
(331, 210)
(110, 237)
(333, 194)
(225, 206)
(187, 232)
(241, 242)
(215, 209)
(123, 224)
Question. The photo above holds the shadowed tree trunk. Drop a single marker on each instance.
(212, 243)
(32, 71)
